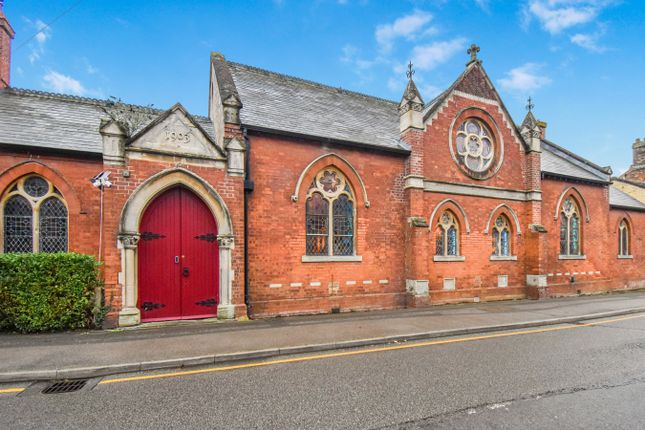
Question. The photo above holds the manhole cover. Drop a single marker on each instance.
(59, 387)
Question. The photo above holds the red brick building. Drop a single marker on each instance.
(294, 197)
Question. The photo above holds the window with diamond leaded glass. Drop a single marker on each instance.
(34, 217)
(501, 237)
(329, 215)
(570, 228)
(53, 226)
(623, 239)
(447, 235)
(18, 220)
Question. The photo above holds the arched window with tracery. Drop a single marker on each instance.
(34, 217)
(447, 235)
(501, 237)
(570, 228)
(330, 215)
(623, 239)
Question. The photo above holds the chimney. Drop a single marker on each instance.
(6, 35)
(639, 152)
(542, 127)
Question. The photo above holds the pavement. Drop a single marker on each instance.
(84, 354)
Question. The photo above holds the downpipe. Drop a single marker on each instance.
(248, 189)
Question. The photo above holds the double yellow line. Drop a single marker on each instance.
(346, 353)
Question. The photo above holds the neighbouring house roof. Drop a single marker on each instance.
(561, 162)
(620, 199)
(634, 189)
(59, 122)
(286, 104)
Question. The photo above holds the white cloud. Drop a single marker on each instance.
(588, 42)
(60, 83)
(483, 5)
(525, 78)
(89, 68)
(409, 27)
(427, 57)
(44, 33)
(558, 15)
(350, 54)
(395, 85)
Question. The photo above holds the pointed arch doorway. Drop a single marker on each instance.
(178, 262)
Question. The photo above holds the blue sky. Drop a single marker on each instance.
(582, 61)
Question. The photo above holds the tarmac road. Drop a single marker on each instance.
(573, 376)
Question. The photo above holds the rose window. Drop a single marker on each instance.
(475, 147)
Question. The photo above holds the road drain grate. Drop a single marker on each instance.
(59, 387)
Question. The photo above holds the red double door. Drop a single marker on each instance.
(178, 258)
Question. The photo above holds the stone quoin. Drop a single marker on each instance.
(292, 197)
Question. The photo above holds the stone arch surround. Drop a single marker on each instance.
(128, 238)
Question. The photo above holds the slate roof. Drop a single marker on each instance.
(621, 199)
(558, 161)
(56, 121)
(283, 103)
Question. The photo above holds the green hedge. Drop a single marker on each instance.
(41, 292)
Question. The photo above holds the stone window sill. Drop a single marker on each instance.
(572, 257)
(448, 258)
(503, 258)
(330, 258)
(625, 257)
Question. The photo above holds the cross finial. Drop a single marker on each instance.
(530, 105)
(410, 71)
(473, 50)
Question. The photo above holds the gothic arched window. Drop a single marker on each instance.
(501, 237)
(330, 215)
(570, 228)
(623, 239)
(34, 217)
(447, 235)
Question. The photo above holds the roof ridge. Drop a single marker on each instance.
(313, 83)
(576, 156)
(628, 181)
(87, 100)
(52, 95)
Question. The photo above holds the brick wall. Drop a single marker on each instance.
(229, 188)
(280, 283)
(72, 177)
(84, 223)
(601, 269)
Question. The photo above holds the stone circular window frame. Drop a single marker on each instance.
(498, 144)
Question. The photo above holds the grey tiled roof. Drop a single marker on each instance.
(282, 103)
(559, 161)
(55, 121)
(623, 200)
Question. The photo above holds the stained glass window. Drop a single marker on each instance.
(330, 215)
(570, 228)
(501, 237)
(474, 145)
(447, 235)
(623, 239)
(35, 217)
(36, 186)
(317, 225)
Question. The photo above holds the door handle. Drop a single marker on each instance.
(185, 271)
